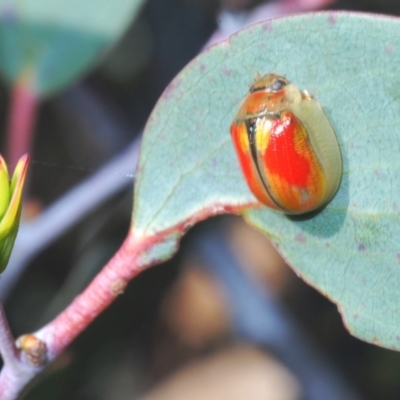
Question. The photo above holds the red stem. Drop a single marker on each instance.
(100, 293)
(132, 257)
(22, 116)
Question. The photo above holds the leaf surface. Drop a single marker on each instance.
(350, 251)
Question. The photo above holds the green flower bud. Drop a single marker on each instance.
(10, 206)
(4, 187)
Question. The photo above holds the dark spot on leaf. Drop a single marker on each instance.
(227, 71)
(388, 49)
(267, 26)
(332, 19)
(300, 238)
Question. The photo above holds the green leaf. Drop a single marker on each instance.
(55, 41)
(350, 251)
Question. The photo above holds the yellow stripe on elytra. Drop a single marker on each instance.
(263, 134)
(243, 138)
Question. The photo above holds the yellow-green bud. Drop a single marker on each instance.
(10, 206)
(4, 187)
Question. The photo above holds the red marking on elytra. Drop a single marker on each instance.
(249, 173)
(281, 147)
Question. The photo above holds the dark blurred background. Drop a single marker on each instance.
(179, 331)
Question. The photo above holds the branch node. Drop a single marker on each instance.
(34, 349)
(118, 286)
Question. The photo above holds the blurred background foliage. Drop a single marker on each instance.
(176, 332)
